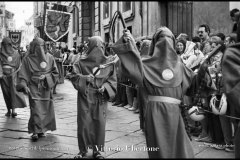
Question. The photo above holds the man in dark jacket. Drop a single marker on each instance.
(234, 19)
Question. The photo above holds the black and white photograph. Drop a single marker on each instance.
(119, 79)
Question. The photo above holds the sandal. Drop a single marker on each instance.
(41, 135)
(34, 137)
(80, 156)
(14, 114)
(8, 114)
(97, 155)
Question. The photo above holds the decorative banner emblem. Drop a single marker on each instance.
(94, 69)
(57, 19)
(15, 36)
(9, 59)
(167, 74)
(43, 65)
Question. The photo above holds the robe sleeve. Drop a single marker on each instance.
(78, 80)
(131, 64)
(23, 75)
(111, 85)
(231, 76)
(53, 76)
(1, 71)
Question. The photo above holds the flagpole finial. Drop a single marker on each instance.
(50, 5)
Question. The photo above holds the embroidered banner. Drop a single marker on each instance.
(15, 36)
(56, 23)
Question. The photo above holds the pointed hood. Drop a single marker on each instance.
(8, 54)
(94, 55)
(163, 67)
(37, 55)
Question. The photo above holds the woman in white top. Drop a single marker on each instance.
(195, 58)
(193, 54)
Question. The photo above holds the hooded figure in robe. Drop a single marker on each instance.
(94, 91)
(231, 82)
(10, 61)
(164, 79)
(37, 77)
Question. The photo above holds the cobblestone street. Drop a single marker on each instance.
(124, 138)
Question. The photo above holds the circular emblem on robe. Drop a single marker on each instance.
(43, 64)
(167, 74)
(94, 69)
(9, 59)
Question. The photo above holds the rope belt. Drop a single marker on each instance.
(164, 99)
(42, 99)
(13, 70)
(7, 66)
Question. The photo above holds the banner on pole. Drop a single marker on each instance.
(56, 24)
(15, 36)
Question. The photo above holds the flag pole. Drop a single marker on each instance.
(43, 19)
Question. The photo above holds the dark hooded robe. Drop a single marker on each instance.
(10, 64)
(91, 104)
(231, 78)
(165, 80)
(38, 63)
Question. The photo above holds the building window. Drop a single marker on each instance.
(75, 20)
(127, 9)
(75, 45)
(106, 12)
(106, 37)
(130, 28)
(126, 6)
(106, 7)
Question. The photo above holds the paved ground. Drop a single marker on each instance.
(124, 138)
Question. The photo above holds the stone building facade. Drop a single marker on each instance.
(143, 17)
(6, 21)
